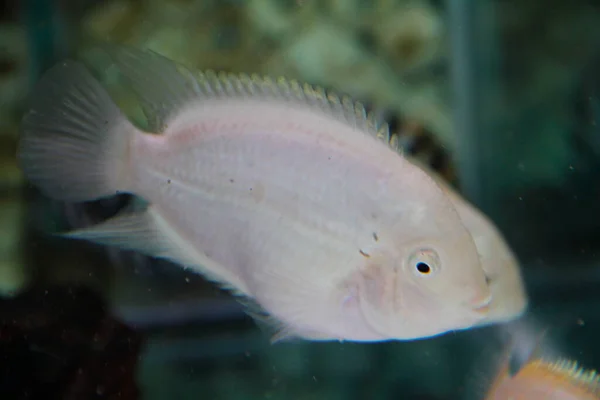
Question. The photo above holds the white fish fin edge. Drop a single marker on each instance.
(146, 233)
(166, 87)
(74, 139)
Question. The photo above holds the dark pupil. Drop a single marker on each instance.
(423, 268)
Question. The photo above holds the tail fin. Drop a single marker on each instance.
(74, 141)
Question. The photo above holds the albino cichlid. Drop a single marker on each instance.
(293, 198)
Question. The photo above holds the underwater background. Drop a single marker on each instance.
(500, 96)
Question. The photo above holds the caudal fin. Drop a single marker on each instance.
(74, 140)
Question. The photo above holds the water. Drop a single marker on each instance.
(505, 94)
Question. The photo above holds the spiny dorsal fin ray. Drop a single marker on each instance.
(164, 87)
(590, 379)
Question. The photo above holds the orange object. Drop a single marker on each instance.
(541, 379)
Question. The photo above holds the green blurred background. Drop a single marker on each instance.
(501, 96)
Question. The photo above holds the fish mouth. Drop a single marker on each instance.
(482, 307)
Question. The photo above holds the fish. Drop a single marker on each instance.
(542, 379)
(289, 196)
(501, 266)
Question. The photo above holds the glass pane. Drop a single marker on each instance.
(498, 99)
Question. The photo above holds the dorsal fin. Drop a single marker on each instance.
(164, 87)
(577, 375)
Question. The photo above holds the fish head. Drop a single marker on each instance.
(419, 297)
(426, 276)
(502, 270)
(499, 263)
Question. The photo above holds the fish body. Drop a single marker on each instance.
(292, 198)
(524, 374)
(540, 379)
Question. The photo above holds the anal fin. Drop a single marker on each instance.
(146, 232)
(128, 231)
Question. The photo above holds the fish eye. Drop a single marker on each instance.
(424, 262)
(423, 268)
